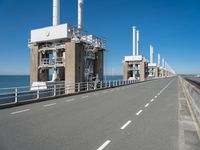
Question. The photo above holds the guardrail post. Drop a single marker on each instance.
(109, 84)
(87, 86)
(16, 95)
(79, 87)
(105, 84)
(101, 85)
(54, 90)
(38, 93)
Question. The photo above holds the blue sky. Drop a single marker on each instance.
(171, 26)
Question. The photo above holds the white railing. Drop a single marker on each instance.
(16, 95)
(47, 61)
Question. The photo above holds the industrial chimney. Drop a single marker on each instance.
(138, 42)
(134, 41)
(56, 12)
(163, 62)
(158, 60)
(80, 15)
(151, 54)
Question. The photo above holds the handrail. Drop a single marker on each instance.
(23, 94)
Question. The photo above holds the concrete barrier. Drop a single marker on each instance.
(193, 95)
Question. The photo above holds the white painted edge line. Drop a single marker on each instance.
(139, 112)
(104, 145)
(152, 100)
(70, 100)
(16, 112)
(125, 125)
(85, 96)
(48, 105)
(146, 105)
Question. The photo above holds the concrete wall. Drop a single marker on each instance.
(142, 70)
(99, 64)
(34, 64)
(126, 71)
(74, 62)
(193, 95)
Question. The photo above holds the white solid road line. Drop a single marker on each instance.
(125, 125)
(48, 105)
(85, 96)
(70, 100)
(104, 145)
(147, 105)
(152, 100)
(16, 112)
(139, 112)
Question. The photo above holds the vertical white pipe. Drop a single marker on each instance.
(138, 42)
(151, 54)
(163, 62)
(80, 14)
(56, 12)
(134, 41)
(158, 60)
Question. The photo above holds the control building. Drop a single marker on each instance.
(135, 66)
(62, 53)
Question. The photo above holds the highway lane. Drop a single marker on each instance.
(108, 119)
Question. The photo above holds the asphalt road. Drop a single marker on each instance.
(142, 116)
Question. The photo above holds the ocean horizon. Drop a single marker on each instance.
(10, 81)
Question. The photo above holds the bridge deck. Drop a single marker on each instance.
(138, 116)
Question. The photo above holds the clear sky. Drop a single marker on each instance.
(171, 26)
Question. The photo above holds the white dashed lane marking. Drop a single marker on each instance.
(85, 96)
(152, 100)
(48, 105)
(125, 125)
(21, 111)
(147, 105)
(104, 145)
(70, 100)
(139, 112)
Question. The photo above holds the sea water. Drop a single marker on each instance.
(9, 81)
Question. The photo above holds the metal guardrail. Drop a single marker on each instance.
(17, 95)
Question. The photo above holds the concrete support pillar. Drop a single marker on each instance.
(34, 64)
(142, 70)
(99, 61)
(125, 70)
(156, 72)
(74, 64)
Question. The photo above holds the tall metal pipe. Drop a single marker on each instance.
(56, 12)
(151, 54)
(138, 42)
(158, 60)
(134, 41)
(80, 15)
(163, 62)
